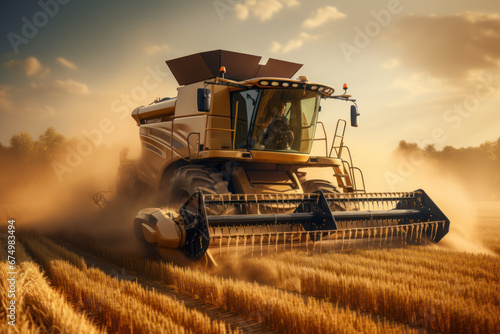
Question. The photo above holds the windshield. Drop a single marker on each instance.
(275, 119)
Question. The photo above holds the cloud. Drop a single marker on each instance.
(322, 16)
(457, 47)
(66, 63)
(70, 86)
(292, 44)
(30, 67)
(262, 9)
(275, 47)
(39, 112)
(152, 49)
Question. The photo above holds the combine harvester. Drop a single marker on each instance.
(230, 152)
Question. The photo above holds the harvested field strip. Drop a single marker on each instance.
(120, 305)
(455, 315)
(266, 304)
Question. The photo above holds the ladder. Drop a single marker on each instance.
(348, 174)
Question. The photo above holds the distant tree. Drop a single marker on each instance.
(406, 146)
(49, 142)
(27, 149)
(492, 149)
(478, 167)
(23, 146)
(430, 149)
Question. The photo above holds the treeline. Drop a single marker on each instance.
(478, 168)
(39, 164)
(23, 148)
(27, 161)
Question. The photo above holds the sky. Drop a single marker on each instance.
(422, 71)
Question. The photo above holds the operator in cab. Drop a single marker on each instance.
(275, 133)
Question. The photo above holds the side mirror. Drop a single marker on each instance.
(204, 96)
(354, 116)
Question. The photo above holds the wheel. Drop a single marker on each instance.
(189, 179)
(326, 187)
(310, 186)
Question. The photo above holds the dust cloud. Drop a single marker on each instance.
(451, 195)
(80, 201)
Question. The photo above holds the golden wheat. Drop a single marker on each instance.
(38, 306)
(23, 324)
(277, 309)
(479, 286)
(111, 300)
(471, 308)
(52, 250)
(119, 312)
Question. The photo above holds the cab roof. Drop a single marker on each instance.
(239, 66)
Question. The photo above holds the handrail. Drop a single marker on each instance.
(350, 166)
(362, 179)
(325, 138)
(335, 136)
(188, 144)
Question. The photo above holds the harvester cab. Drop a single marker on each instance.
(231, 158)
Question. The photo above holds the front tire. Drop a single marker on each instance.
(310, 186)
(192, 178)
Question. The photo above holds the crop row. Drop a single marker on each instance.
(465, 307)
(281, 310)
(471, 287)
(39, 307)
(122, 306)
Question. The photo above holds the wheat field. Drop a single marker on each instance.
(413, 289)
